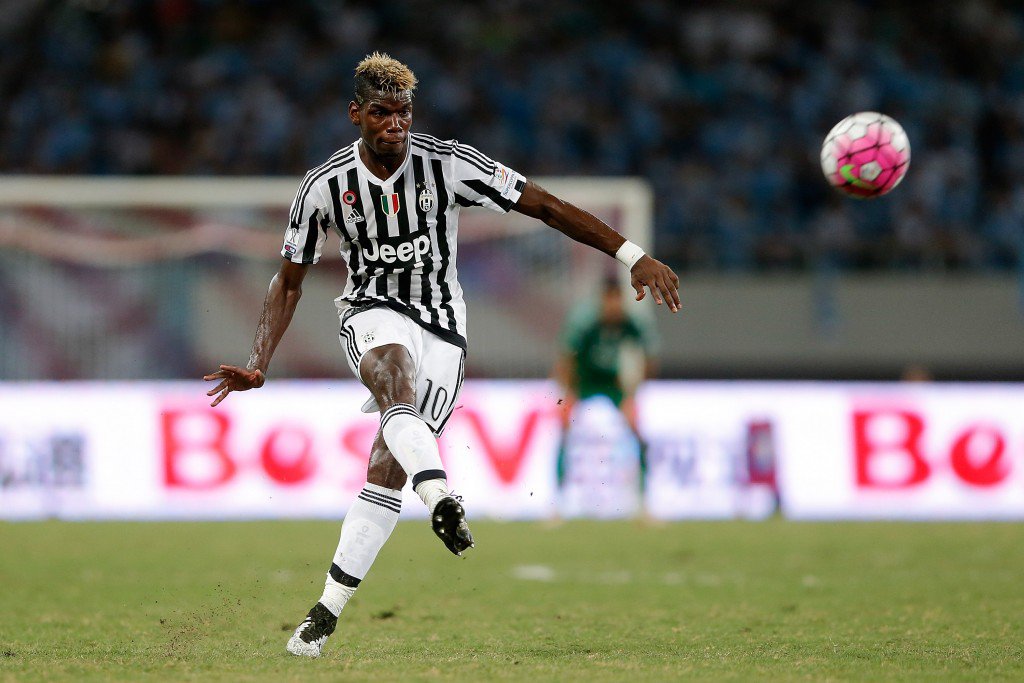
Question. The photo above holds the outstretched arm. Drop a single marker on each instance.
(583, 227)
(278, 307)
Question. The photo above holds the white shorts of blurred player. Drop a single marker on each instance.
(439, 365)
(602, 463)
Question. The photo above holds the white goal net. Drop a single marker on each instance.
(119, 278)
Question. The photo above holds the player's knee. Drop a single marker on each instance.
(389, 373)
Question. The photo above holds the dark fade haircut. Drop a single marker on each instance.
(380, 75)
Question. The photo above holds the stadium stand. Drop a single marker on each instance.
(721, 108)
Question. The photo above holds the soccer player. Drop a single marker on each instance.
(606, 352)
(393, 198)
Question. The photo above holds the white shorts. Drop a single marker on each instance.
(439, 365)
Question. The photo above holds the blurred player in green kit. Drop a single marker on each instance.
(605, 352)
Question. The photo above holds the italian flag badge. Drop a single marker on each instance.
(389, 202)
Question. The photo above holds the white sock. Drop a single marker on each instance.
(366, 529)
(431, 492)
(335, 596)
(413, 444)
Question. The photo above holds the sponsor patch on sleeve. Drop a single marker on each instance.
(504, 179)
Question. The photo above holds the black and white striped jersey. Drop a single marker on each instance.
(398, 236)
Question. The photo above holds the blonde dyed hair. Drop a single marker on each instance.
(381, 74)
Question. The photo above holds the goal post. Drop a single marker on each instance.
(190, 257)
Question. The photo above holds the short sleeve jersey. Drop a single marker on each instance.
(399, 236)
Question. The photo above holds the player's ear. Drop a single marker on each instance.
(354, 113)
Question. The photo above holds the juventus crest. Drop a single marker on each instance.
(426, 200)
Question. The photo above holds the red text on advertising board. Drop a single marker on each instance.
(199, 452)
(890, 453)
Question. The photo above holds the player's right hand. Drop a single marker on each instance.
(233, 378)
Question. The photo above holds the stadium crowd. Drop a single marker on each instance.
(722, 107)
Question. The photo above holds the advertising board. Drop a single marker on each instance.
(713, 450)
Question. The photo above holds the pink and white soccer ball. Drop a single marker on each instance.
(865, 155)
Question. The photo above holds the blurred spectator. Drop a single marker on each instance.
(721, 106)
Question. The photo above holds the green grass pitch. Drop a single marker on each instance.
(593, 601)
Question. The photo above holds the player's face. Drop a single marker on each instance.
(383, 124)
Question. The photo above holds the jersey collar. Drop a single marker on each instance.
(373, 178)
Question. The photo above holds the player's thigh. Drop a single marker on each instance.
(439, 381)
(364, 331)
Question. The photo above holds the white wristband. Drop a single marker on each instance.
(629, 254)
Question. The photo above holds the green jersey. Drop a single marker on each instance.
(608, 358)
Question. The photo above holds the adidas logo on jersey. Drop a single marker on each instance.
(410, 252)
(353, 217)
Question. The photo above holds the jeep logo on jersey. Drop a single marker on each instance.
(389, 202)
(391, 253)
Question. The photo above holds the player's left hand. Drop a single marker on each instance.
(659, 278)
(233, 378)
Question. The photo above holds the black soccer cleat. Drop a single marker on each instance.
(449, 523)
(310, 636)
